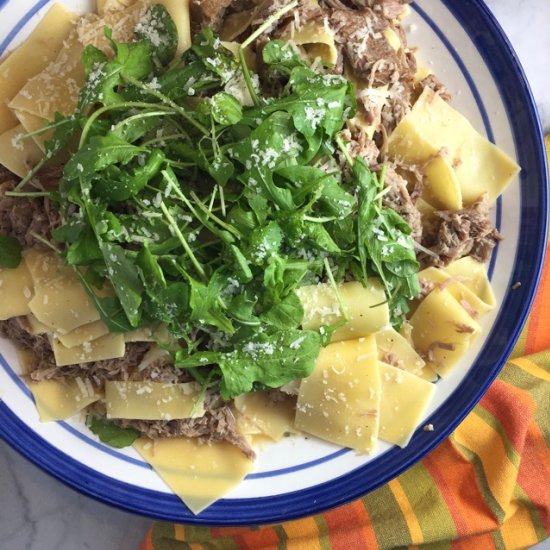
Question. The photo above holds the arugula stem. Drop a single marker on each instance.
(330, 276)
(28, 195)
(140, 116)
(213, 217)
(45, 242)
(126, 105)
(248, 78)
(222, 200)
(262, 28)
(382, 177)
(182, 240)
(37, 167)
(180, 110)
(215, 144)
(267, 23)
(177, 190)
(320, 220)
(381, 180)
(343, 147)
(201, 205)
(46, 128)
(180, 164)
(202, 246)
(381, 195)
(212, 199)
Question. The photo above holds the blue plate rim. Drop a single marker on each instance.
(527, 269)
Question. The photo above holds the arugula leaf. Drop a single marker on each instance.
(205, 304)
(85, 250)
(272, 144)
(128, 184)
(169, 305)
(268, 359)
(264, 243)
(123, 275)
(64, 131)
(204, 66)
(98, 153)
(111, 434)
(285, 315)
(271, 360)
(225, 109)
(280, 56)
(158, 27)
(10, 252)
(151, 271)
(104, 76)
(108, 307)
(240, 264)
(383, 239)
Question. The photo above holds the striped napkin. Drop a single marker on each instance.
(485, 487)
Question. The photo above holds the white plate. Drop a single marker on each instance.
(466, 48)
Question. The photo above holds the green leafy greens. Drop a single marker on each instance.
(111, 434)
(206, 202)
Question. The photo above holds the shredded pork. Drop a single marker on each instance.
(399, 199)
(209, 13)
(42, 362)
(458, 233)
(437, 86)
(26, 218)
(217, 424)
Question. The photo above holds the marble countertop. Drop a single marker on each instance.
(39, 513)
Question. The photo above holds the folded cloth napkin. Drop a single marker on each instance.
(485, 487)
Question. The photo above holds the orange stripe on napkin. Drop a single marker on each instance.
(513, 407)
(534, 474)
(350, 527)
(538, 333)
(459, 489)
(147, 543)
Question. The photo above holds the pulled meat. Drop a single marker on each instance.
(24, 218)
(217, 424)
(458, 233)
(397, 105)
(399, 199)
(359, 145)
(391, 9)
(42, 362)
(359, 34)
(437, 86)
(366, 49)
(414, 177)
(209, 13)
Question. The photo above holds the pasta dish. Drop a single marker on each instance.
(234, 221)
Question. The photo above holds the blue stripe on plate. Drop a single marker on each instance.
(491, 43)
(20, 24)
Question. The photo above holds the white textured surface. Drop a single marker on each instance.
(38, 513)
